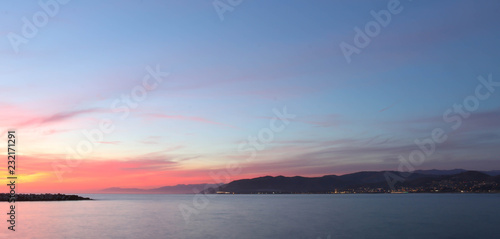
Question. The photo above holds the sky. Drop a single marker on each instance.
(150, 93)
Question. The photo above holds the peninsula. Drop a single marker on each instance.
(4, 197)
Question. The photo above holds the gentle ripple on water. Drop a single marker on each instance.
(262, 216)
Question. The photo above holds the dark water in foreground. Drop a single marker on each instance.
(261, 216)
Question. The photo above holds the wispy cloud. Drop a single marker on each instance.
(37, 120)
(388, 107)
(189, 118)
(329, 120)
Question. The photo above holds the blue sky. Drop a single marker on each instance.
(227, 76)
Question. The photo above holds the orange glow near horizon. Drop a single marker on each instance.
(40, 175)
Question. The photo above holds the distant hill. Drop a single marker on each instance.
(441, 172)
(425, 181)
(177, 189)
(281, 184)
(492, 172)
(433, 180)
(454, 171)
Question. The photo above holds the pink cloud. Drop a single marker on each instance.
(29, 118)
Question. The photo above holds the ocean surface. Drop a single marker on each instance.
(260, 216)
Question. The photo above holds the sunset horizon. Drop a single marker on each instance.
(98, 189)
(302, 100)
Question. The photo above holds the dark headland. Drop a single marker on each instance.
(42, 197)
(419, 181)
(423, 181)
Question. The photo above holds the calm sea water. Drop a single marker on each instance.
(262, 216)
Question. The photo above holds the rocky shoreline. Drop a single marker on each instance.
(4, 197)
